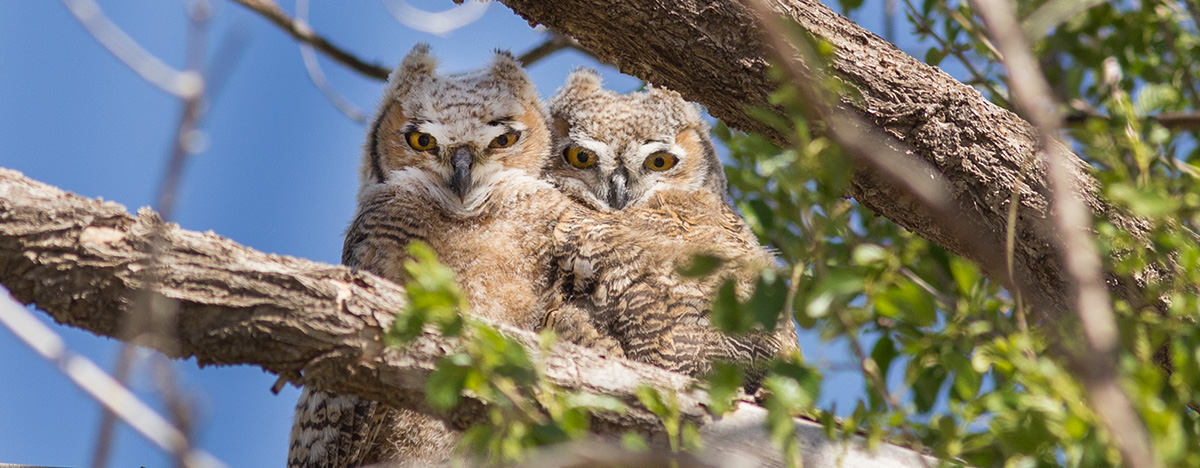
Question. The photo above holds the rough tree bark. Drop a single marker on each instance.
(83, 262)
(710, 52)
(79, 260)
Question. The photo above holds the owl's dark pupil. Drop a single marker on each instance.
(583, 157)
(423, 140)
(660, 162)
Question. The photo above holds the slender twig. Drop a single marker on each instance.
(1187, 121)
(181, 84)
(872, 374)
(976, 75)
(153, 313)
(99, 385)
(269, 10)
(1096, 365)
(300, 30)
(437, 23)
(313, 67)
(146, 320)
(554, 43)
(942, 297)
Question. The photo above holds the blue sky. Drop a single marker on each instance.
(279, 175)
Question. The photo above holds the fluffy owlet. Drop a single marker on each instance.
(647, 159)
(452, 160)
(614, 150)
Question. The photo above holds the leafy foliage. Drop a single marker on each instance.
(949, 361)
(524, 409)
(975, 384)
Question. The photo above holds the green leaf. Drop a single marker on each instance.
(723, 386)
(443, 390)
(634, 442)
(965, 273)
(652, 400)
(1154, 97)
(597, 402)
(797, 385)
(727, 312)
(1145, 203)
(966, 383)
(850, 5)
(905, 300)
(770, 295)
(927, 386)
(883, 353)
(934, 56)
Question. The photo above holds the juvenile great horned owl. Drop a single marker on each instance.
(614, 150)
(649, 156)
(451, 160)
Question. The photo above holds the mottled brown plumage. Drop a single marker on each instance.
(451, 160)
(621, 290)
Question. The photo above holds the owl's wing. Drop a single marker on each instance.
(330, 430)
(338, 431)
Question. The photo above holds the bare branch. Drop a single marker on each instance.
(82, 260)
(154, 315)
(1095, 365)
(100, 386)
(1186, 121)
(313, 67)
(438, 23)
(270, 10)
(181, 84)
(554, 43)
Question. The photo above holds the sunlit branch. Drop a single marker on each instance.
(181, 84)
(313, 67)
(301, 32)
(99, 385)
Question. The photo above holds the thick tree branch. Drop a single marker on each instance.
(710, 52)
(82, 261)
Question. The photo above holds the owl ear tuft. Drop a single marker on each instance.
(665, 95)
(672, 102)
(418, 65)
(582, 82)
(507, 69)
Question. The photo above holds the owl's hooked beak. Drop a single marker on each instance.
(460, 162)
(618, 189)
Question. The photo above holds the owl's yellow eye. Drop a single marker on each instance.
(421, 141)
(505, 140)
(579, 157)
(661, 161)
